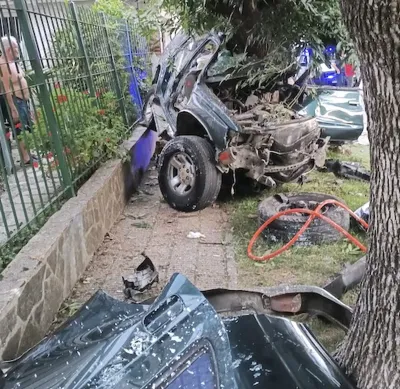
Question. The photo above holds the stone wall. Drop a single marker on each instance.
(43, 274)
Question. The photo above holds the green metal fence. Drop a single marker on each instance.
(66, 102)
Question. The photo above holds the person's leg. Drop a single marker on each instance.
(21, 144)
(340, 79)
(23, 125)
(24, 151)
(350, 81)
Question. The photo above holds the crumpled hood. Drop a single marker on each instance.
(176, 342)
(114, 344)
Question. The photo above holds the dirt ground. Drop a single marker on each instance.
(149, 225)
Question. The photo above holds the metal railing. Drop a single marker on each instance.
(67, 102)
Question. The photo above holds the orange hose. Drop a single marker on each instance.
(313, 214)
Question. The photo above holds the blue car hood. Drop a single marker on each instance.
(176, 342)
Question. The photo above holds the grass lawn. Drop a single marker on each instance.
(313, 265)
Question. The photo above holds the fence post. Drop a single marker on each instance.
(4, 148)
(82, 48)
(114, 68)
(44, 93)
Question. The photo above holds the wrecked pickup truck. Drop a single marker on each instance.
(217, 128)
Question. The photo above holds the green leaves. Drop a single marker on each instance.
(114, 8)
(268, 29)
(351, 249)
(91, 128)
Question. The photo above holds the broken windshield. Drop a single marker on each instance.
(226, 61)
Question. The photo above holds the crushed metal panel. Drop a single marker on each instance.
(114, 344)
(109, 344)
(142, 279)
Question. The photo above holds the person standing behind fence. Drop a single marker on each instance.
(15, 88)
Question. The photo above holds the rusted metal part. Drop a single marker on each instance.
(313, 300)
(246, 157)
(286, 303)
(349, 170)
(255, 150)
(262, 118)
(277, 169)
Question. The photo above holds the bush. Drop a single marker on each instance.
(90, 128)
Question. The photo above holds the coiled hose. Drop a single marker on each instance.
(313, 214)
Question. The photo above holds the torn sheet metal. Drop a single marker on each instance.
(176, 342)
(363, 212)
(112, 344)
(142, 279)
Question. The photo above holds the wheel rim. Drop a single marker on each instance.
(181, 173)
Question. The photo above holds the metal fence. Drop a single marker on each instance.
(67, 102)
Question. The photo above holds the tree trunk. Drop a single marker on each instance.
(371, 350)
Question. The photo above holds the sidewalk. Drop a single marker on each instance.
(28, 192)
(149, 225)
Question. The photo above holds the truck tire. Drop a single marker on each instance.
(284, 228)
(188, 178)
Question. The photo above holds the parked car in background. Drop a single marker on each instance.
(338, 112)
(336, 107)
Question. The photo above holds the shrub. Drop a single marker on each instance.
(90, 128)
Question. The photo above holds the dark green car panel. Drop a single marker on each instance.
(337, 110)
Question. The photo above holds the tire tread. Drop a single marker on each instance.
(204, 153)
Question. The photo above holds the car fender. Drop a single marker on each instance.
(191, 121)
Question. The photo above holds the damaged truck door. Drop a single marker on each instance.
(185, 57)
(221, 127)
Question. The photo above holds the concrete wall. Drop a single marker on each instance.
(43, 274)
